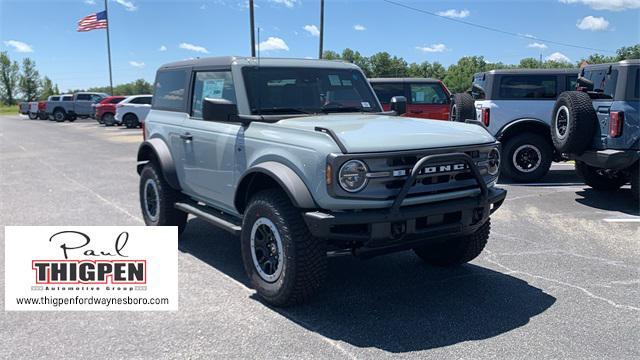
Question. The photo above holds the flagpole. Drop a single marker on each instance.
(109, 48)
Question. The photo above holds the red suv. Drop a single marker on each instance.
(106, 108)
(426, 98)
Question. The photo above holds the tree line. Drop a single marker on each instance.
(458, 76)
(23, 82)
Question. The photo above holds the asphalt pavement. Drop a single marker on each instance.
(560, 277)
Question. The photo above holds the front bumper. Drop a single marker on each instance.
(383, 227)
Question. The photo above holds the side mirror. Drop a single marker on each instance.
(399, 105)
(219, 110)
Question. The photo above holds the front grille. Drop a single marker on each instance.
(389, 172)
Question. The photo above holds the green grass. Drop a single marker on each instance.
(8, 110)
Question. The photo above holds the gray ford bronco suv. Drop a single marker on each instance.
(297, 158)
(599, 125)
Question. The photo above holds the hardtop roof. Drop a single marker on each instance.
(530, 71)
(227, 61)
(403, 80)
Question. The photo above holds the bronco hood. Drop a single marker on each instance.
(375, 133)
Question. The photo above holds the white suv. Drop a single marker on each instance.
(132, 111)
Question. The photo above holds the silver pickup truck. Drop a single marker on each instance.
(70, 107)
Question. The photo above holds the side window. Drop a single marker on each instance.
(528, 87)
(428, 94)
(170, 90)
(146, 100)
(83, 97)
(478, 87)
(385, 91)
(55, 98)
(572, 83)
(212, 85)
(67, 98)
(137, 100)
(96, 98)
(603, 82)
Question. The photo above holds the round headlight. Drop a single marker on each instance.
(493, 162)
(353, 176)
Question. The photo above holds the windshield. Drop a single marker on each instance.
(307, 90)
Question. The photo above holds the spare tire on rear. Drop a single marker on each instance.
(462, 108)
(573, 122)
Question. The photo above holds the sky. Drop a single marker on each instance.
(146, 34)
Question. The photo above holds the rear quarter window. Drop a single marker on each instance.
(169, 90)
(516, 87)
(428, 93)
(603, 81)
(478, 87)
(385, 91)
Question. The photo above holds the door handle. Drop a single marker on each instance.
(186, 136)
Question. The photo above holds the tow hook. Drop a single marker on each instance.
(398, 229)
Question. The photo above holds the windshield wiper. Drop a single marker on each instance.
(277, 110)
(329, 109)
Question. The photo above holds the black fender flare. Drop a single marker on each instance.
(288, 180)
(157, 149)
(519, 122)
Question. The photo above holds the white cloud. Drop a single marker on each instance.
(455, 14)
(137, 64)
(537, 45)
(559, 57)
(162, 48)
(273, 44)
(19, 46)
(287, 3)
(90, 2)
(359, 27)
(128, 5)
(192, 47)
(312, 29)
(593, 23)
(433, 48)
(613, 5)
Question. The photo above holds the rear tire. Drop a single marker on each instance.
(131, 121)
(526, 157)
(157, 199)
(462, 108)
(43, 116)
(59, 115)
(457, 251)
(284, 262)
(573, 122)
(601, 179)
(33, 116)
(108, 119)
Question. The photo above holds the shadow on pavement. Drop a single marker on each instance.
(395, 303)
(557, 177)
(614, 200)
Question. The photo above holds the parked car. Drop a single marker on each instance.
(23, 108)
(427, 98)
(33, 110)
(132, 111)
(599, 125)
(516, 105)
(105, 110)
(297, 158)
(70, 107)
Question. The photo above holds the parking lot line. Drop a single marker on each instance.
(630, 220)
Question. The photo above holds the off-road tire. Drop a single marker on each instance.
(457, 251)
(167, 214)
(305, 260)
(32, 116)
(130, 121)
(462, 108)
(573, 122)
(43, 116)
(601, 179)
(531, 145)
(59, 115)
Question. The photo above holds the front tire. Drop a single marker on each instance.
(455, 252)
(526, 157)
(284, 262)
(43, 116)
(157, 199)
(33, 116)
(108, 119)
(601, 179)
(131, 121)
(59, 115)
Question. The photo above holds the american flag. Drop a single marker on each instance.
(94, 21)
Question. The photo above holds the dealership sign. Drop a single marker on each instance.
(91, 268)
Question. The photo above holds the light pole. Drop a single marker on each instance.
(253, 35)
(321, 28)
